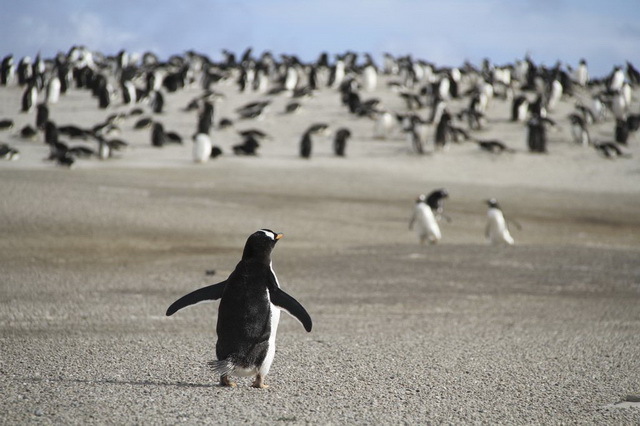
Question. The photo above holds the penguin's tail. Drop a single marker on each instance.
(222, 367)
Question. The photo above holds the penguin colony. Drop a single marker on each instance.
(435, 107)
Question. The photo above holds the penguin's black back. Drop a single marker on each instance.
(244, 315)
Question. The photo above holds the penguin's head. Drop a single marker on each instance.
(260, 244)
(492, 203)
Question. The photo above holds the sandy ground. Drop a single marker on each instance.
(544, 332)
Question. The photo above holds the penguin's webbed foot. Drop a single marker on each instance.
(226, 382)
(258, 383)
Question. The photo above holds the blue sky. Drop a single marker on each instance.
(446, 32)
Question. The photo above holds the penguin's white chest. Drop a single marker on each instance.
(498, 231)
(201, 148)
(427, 225)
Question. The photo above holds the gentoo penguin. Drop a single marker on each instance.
(369, 75)
(306, 142)
(435, 200)
(29, 97)
(425, 222)
(582, 73)
(53, 89)
(610, 150)
(8, 152)
(442, 130)
(340, 141)
(497, 231)
(249, 312)
(42, 115)
(519, 108)
(201, 148)
(158, 135)
(579, 130)
(536, 135)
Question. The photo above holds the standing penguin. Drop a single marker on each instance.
(426, 224)
(340, 141)
(536, 135)
(249, 312)
(497, 231)
(201, 148)
(306, 142)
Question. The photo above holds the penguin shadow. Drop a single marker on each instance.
(177, 384)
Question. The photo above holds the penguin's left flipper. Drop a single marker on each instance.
(204, 294)
(283, 301)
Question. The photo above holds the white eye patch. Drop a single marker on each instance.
(268, 233)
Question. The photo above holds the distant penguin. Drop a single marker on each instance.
(29, 97)
(129, 92)
(205, 118)
(384, 123)
(582, 73)
(616, 79)
(579, 130)
(340, 141)
(104, 150)
(555, 93)
(42, 116)
(103, 93)
(7, 70)
(497, 231)
(619, 105)
(158, 135)
(519, 108)
(536, 135)
(369, 77)
(443, 129)
(157, 102)
(424, 222)
(53, 90)
(306, 142)
(291, 78)
(621, 131)
(435, 200)
(201, 148)
(249, 312)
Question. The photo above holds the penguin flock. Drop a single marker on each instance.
(430, 107)
(426, 110)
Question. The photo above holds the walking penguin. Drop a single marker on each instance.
(249, 312)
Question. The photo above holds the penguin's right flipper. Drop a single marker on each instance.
(204, 294)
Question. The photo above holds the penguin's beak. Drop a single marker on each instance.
(278, 236)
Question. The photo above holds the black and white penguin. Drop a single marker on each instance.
(519, 108)
(158, 135)
(435, 200)
(201, 148)
(306, 144)
(443, 129)
(610, 150)
(7, 70)
(424, 221)
(249, 312)
(536, 135)
(29, 97)
(340, 141)
(53, 89)
(8, 152)
(497, 231)
(42, 116)
(579, 130)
